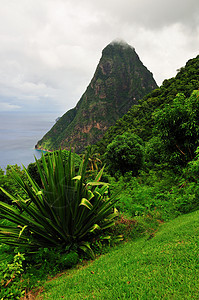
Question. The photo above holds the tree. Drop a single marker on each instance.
(154, 152)
(177, 124)
(9, 184)
(125, 153)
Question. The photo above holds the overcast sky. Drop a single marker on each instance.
(49, 49)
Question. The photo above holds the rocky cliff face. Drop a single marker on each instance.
(120, 80)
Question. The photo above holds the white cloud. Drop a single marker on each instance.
(49, 49)
(5, 106)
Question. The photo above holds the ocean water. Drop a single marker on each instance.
(19, 133)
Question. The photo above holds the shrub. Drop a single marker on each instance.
(66, 211)
(10, 278)
(125, 153)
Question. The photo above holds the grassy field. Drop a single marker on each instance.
(163, 267)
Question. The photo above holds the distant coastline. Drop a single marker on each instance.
(19, 131)
(42, 149)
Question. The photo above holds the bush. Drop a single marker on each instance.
(65, 212)
(10, 275)
(162, 191)
(124, 154)
(155, 151)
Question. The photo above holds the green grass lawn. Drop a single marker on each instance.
(163, 267)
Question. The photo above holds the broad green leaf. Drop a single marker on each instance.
(95, 227)
(77, 177)
(86, 203)
(20, 233)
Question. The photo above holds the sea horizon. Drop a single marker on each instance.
(20, 132)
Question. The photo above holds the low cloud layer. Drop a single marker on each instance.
(49, 49)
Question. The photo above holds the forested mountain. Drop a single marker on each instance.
(141, 119)
(63, 208)
(119, 82)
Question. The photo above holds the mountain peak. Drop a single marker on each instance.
(121, 43)
(117, 46)
(120, 80)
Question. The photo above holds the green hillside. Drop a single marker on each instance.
(139, 118)
(164, 267)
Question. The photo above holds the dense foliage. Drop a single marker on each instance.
(125, 153)
(177, 125)
(9, 184)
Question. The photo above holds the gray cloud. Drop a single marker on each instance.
(49, 49)
(154, 14)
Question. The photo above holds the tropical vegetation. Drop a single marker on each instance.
(65, 208)
(64, 213)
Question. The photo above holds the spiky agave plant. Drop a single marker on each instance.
(66, 211)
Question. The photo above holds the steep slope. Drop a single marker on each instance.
(139, 118)
(120, 80)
